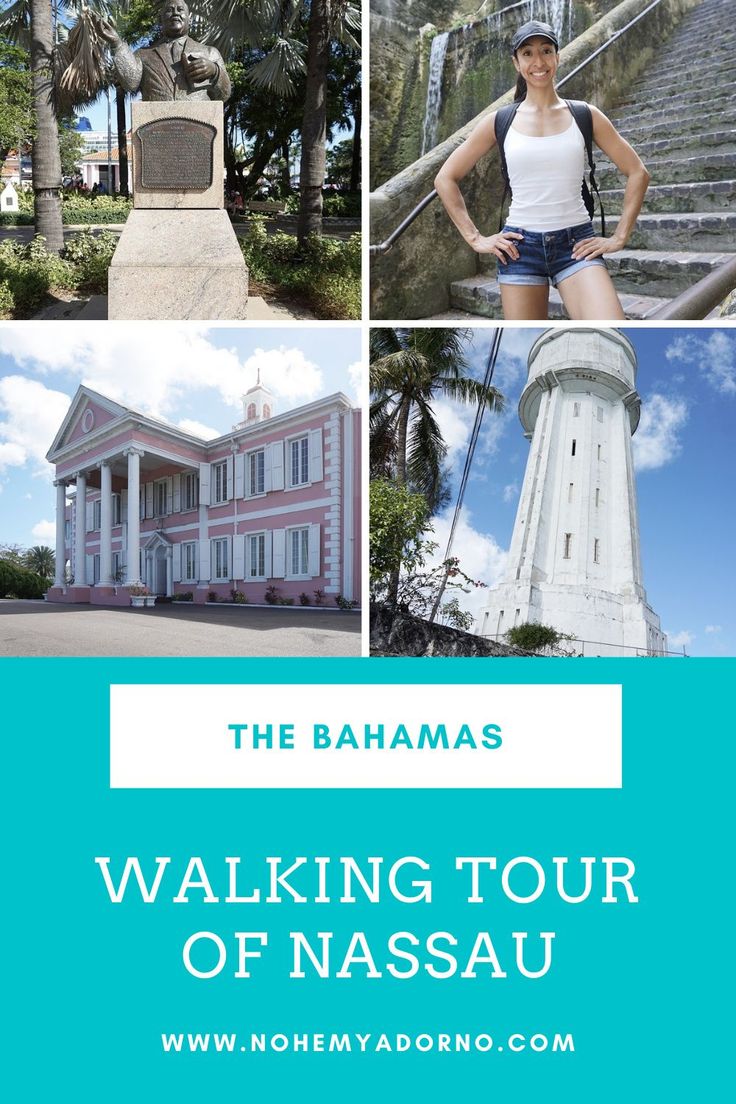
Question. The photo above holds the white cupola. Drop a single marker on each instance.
(258, 404)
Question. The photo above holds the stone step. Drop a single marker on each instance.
(700, 232)
(662, 274)
(480, 295)
(682, 79)
(713, 166)
(638, 132)
(723, 141)
(707, 196)
(694, 100)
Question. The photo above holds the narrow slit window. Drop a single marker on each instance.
(569, 492)
(600, 413)
(568, 546)
(574, 446)
(596, 550)
(576, 410)
(597, 496)
(599, 452)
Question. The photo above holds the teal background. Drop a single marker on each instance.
(89, 986)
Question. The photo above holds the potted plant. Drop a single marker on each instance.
(140, 596)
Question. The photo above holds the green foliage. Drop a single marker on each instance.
(536, 638)
(183, 596)
(89, 255)
(304, 599)
(272, 595)
(19, 582)
(325, 273)
(71, 145)
(398, 520)
(28, 273)
(16, 115)
(334, 204)
(239, 597)
(346, 603)
(77, 209)
(41, 560)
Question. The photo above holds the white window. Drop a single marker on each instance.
(219, 482)
(97, 514)
(190, 491)
(220, 566)
(189, 561)
(299, 461)
(256, 462)
(257, 556)
(117, 510)
(160, 498)
(299, 551)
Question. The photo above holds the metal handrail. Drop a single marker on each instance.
(700, 299)
(386, 245)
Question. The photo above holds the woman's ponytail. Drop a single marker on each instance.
(520, 91)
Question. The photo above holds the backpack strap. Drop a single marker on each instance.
(583, 117)
(504, 118)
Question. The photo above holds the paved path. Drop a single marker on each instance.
(38, 629)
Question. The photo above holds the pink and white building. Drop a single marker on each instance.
(275, 502)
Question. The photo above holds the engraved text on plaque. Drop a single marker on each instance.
(176, 154)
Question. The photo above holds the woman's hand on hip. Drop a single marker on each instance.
(501, 245)
(588, 248)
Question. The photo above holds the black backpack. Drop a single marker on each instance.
(581, 113)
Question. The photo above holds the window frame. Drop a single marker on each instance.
(215, 543)
(261, 537)
(302, 440)
(219, 465)
(185, 577)
(250, 457)
(303, 552)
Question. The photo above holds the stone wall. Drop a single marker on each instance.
(403, 635)
(412, 280)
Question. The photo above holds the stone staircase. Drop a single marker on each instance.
(681, 119)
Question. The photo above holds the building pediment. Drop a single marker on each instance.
(88, 413)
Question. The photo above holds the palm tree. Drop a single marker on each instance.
(408, 369)
(46, 158)
(41, 560)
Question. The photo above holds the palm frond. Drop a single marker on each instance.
(473, 391)
(277, 70)
(15, 23)
(86, 72)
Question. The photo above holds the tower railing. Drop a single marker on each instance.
(587, 646)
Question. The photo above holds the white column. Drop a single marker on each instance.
(60, 485)
(80, 543)
(106, 524)
(134, 516)
(169, 573)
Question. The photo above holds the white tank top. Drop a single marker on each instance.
(546, 176)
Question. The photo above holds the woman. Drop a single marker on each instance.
(548, 237)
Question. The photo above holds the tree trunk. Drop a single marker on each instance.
(286, 188)
(402, 431)
(122, 141)
(355, 165)
(314, 125)
(45, 155)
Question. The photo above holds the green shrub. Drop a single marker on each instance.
(18, 582)
(325, 272)
(95, 209)
(89, 255)
(334, 204)
(27, 272)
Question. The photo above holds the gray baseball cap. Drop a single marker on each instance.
(533, 29)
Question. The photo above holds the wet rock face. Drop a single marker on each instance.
(403, 635)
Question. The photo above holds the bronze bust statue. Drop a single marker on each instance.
(178, 68)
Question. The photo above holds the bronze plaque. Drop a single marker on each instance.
(176, 154)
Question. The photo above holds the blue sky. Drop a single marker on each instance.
(686, 476)
(191, 375)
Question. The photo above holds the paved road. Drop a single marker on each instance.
(38, 629)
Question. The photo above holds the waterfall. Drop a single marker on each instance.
(434, 91)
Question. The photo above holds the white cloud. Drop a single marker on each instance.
(714, 356)
(480, 556)
(510, 492)
(44, 531)
(356, 375)
(656, 441)
(197, 429)
(680, 639)
(150, 367)
(713, 628)
(456, 422)
(30, 415)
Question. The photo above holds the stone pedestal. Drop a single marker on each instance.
(178, 256)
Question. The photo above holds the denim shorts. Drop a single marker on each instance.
(546, 256)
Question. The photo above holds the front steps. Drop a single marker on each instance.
(681, 119)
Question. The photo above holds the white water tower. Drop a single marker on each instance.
(575, 560)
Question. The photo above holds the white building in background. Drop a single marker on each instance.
(575, 558)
